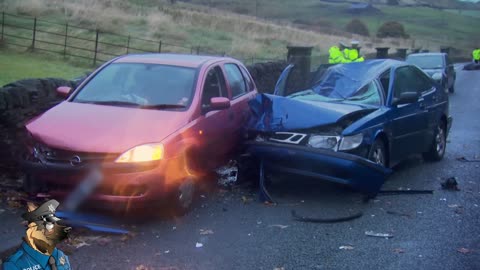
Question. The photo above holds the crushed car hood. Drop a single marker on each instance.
(103, 129)
(275, 113)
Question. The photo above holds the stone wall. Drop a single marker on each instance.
(266, 75)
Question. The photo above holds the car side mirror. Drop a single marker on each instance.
(64, 91)
(406, 98)
(219, 103)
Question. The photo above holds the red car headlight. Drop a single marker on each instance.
(142, 153)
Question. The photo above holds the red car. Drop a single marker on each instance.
(153, 123)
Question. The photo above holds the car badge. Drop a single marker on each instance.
(75, 161)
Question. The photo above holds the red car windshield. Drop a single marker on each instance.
(140, 85)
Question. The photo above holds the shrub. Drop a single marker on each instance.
(392, 29)
(358, 27)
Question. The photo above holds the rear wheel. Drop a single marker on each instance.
(437, 150)
(377, 153)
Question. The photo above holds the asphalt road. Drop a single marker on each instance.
(429, 231)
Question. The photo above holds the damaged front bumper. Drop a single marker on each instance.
(337, 167)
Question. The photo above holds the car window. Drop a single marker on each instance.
(138, 84)
(385, 82)
(235, 80)
(248, 79)
(426, 61)
(405, 81)
(214, 86)
(422, 81)
(368, 94)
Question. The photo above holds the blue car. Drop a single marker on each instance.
(350, 123)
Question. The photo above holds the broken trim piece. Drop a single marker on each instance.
(297, 217)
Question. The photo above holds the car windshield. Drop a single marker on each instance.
(150, 86)
(426, 61)
(338, 85)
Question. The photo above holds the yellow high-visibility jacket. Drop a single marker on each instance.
(335, 56)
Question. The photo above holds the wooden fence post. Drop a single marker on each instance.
(65, 44)
(128, 43)
(160, 46)
(96, 48)
(34, 31)
(3, 22)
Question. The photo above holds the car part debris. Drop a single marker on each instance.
(450, 184)
(464, 159)
(198, 245)
(390, 212)
(324, 220)
(346, 248)
(227, 175)
(382, 235)
(279, 226)
(264, 195)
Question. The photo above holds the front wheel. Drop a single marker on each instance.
(184, 196)
(377, 153)
(437, 150)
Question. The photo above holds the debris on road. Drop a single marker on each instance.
(81, 241)
(382, 235)
(346, 248)
(279, 226)
(399, 250)
(390, 212)
(464, 159)
(324, 220)
(198, 245)
(205, 232)
(464, 250)
(246, 200)
(450, 184)
(228, 175)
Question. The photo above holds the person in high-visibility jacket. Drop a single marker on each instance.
(353, 55)
(336, 56)
(476, 56)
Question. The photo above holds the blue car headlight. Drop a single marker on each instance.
(350, 142)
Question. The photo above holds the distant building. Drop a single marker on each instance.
(362, 8)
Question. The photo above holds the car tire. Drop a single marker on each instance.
(184, 195)
(439, 144)
(378, 153)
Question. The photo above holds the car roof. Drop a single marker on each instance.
(427, 54)
(367, 69)
(182, 60)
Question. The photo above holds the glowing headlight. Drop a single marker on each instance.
(142, 153)
(350, 142)
(327, 142)
(437, 76)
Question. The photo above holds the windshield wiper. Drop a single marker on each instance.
(113, 102)
(163, 106)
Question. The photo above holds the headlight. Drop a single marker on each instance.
(350, 142)
(142, 153)
(327, 142)
(437, 76)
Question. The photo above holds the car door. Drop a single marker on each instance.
(241, 89)
(408, 121)
(213, 124)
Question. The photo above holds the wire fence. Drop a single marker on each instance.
(89, 44)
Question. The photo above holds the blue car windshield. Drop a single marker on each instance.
(140, 85)
(340, 87)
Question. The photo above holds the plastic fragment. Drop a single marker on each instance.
(382, 235)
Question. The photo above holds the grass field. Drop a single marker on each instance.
(15, 66)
